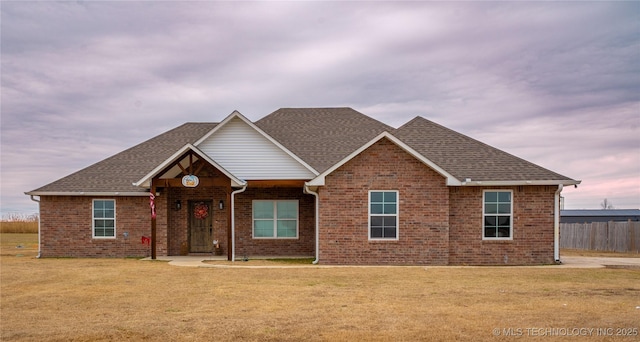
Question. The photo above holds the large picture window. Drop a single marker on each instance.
(104, 218)
(275, 219)
(498, 215)
(383, 215)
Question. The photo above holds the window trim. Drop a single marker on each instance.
(275, 221)
(396, 215)
(490, 238)
(93, 218)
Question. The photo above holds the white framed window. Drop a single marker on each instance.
(383, 215)
(497, 215)
(275, 219)
(104, 218)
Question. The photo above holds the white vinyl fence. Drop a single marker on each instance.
(601, 236)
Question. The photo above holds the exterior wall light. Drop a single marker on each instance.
(221, 204)
(178, 205)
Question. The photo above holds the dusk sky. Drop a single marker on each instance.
(555, 83)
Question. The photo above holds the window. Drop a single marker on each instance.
(498, 223)
(275, 219)
(383, 215)
(104, 218)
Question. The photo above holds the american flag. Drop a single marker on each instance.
(152, 204)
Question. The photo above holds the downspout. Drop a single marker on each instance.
(315, 194)
(556, 225)
(39, 249)
(233, 221)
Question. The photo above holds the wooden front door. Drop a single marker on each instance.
(201, 226)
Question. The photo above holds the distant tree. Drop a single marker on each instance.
(18, 217)
(606, 204)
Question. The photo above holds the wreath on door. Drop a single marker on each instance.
(201, 211)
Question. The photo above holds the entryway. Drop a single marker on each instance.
(201, 226)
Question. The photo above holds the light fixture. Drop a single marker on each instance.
(221, 204)
(178, 205)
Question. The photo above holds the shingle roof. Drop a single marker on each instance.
(464, 157)
(321, 136)
(117, 173)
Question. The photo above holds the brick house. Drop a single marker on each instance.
(329, 183)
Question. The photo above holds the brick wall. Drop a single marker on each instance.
(66, 227)
(178, 228)
(533, 214)
(66, 224)
(438, 225)
(423, 211)
(246, 245)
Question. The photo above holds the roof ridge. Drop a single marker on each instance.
(415, 118)
(321, 136)
(308, 109)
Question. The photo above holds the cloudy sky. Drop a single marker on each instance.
(556, 83)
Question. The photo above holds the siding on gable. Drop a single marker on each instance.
(248, 155)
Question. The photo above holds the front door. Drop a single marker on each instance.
(201, 226)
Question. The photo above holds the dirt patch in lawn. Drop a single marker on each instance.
(127, 299)
(623, 267)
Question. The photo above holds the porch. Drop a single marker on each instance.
(202, 208)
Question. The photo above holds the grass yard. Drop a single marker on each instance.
(128, 299)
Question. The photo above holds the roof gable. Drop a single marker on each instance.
(251, 154)
(450, 179)
(146, 180)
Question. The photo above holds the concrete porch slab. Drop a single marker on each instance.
(198, 260)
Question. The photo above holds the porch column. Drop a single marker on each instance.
(228, 210)
(153, 221)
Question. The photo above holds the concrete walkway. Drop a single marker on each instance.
(567, 262)
(597, 262)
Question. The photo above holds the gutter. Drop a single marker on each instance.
(469, 182)
(39, 249)
(307, 190)
(88, 193)
(556, 225)
(233, 221)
